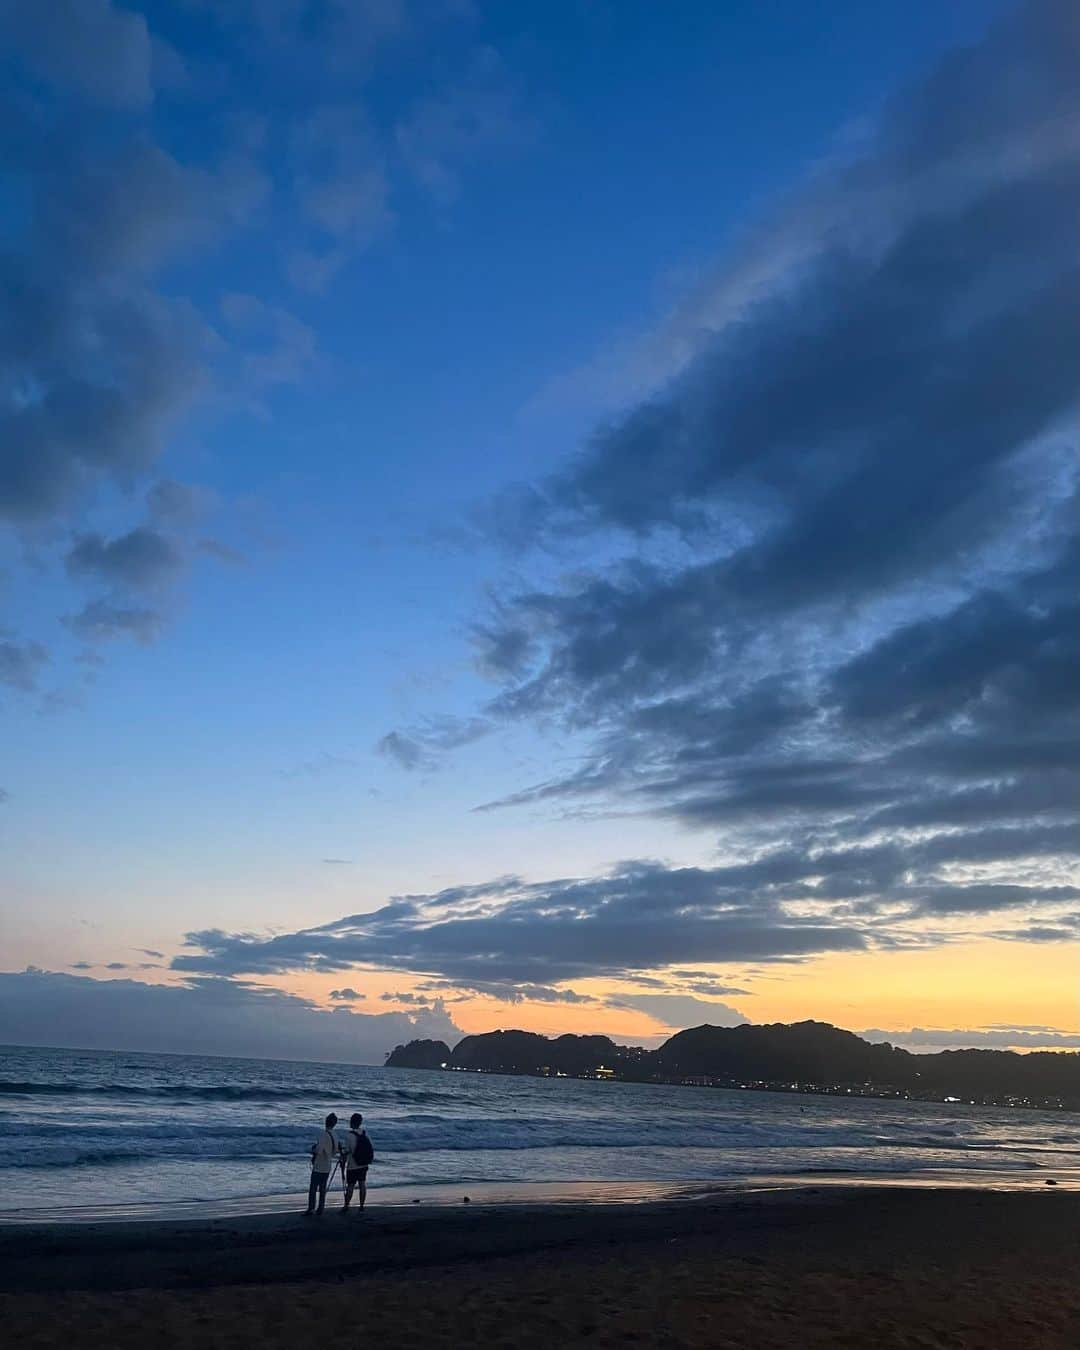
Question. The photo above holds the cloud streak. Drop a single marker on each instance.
(425, 744)
(514, 940)
(508, 933)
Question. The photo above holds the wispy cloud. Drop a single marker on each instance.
(481, 115)
(422, 745)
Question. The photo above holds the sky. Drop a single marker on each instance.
(549, 515)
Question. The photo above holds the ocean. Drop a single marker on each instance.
(80, 1129)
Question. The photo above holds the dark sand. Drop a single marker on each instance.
(856, 1268)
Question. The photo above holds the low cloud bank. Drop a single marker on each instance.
(202, 1016)
(980, 1038)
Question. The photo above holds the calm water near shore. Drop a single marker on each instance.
(83, 1128)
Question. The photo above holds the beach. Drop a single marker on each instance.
(156, 1200)
(758, 1267)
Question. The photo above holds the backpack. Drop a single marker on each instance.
(362, 1152)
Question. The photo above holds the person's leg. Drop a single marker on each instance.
(350, 1186)
(313, 1186)
(363, 1186)
(323, 1178)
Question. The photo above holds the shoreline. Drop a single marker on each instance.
(521, 1195)
(534, 1194)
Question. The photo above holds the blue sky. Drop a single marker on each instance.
(346, 315)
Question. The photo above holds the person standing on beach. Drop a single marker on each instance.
(323, 1152)
(358, 1157)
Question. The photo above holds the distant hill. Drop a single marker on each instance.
(810, 1056)
(807, 1051)
(526, 1052)
(419, 1055)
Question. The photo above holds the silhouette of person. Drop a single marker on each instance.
(323, 1152)
(358, 1154)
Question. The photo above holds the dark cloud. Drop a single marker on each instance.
(143, 560)
(21, 664)
(996, 654)
(517, 941)
(507, 933)
(1046, 933)
(114, 363)
(533, 993)
(142, 557)
(840, 627)
(103, 621)
(515, 993)
(828, 359)
(346, 995)
(99, 363)
(149, 951)
(987, 897)
(217, 1017)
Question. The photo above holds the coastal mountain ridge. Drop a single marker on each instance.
(812, 1056)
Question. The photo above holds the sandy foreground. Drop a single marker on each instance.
(858, 1268)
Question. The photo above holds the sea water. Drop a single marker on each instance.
(86, 1128)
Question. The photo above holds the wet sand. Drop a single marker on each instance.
(782, 1268)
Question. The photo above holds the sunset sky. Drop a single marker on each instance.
(556, 515)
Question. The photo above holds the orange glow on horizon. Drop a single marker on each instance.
(964, 986)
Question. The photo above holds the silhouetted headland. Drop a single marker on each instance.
(800, 1057)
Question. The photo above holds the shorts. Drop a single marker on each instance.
(355, 1175)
